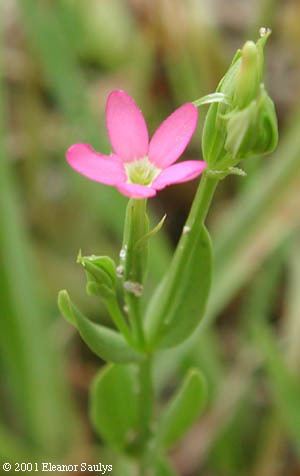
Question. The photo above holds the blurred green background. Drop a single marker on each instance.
(58, 61)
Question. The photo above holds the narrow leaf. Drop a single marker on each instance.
(113, 405)
(104, 342)
(174, 314)
(183, 410)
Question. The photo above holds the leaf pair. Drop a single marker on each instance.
(114, 408)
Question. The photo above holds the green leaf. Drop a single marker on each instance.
(104, 342)
(183, 410)
(113, 405)
(172, 316)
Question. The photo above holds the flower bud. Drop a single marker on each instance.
(252, 131)
(247, 125)
(249, 75)
(101, 275)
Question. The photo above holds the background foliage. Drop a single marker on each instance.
(59, 59)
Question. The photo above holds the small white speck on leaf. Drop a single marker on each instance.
(186, 229)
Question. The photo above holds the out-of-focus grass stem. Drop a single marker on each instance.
(36, 387)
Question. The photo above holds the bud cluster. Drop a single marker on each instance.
(246, 125)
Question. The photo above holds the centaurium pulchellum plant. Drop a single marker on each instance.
(240, 123)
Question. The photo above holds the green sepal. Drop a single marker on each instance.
(212, 98)
(221, 174)
(249, 75)
(173, 316)
(104, 342)
(94, 289)
(151, 232)
(253, 130)
(183, 410)
(114, 406)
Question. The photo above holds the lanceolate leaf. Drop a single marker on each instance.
(172, 316)
(113, 405)
(183, 409)
(104, 342)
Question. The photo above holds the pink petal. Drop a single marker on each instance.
(182, 172)
(133, 190)
(126, 127)
(101, 168)
(173, 135)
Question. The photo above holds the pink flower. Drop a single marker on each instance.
(139, 168)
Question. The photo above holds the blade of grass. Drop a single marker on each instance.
(36, 385)
(284, 386)
(274, 440)
(291, 321)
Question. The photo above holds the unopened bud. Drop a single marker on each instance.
(253, 130)
(247, 125)
(101, 274)
(249, 75)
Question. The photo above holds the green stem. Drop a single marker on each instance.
(185, 246)
(134, 258)
(187, 243)
(119, 320)
(146, 399)
(200, 208)
(193, 224)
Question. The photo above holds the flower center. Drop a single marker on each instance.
(141, 171)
